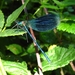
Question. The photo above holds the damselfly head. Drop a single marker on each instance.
(44, 23)
(22, 23)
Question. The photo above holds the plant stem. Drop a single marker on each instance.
(36, 48)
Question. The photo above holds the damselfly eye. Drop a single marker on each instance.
(44, 23)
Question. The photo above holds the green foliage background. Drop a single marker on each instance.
(17, 56)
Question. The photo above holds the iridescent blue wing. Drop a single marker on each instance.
(44, 23)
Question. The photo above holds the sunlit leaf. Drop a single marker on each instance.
(2, 70)
(59, 56)
(11, 32)
(12, 17)
(16, 68)
(1, 20)
(67, 26)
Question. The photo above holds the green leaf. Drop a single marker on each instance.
(16, 68)
(68, 16)
(44, 1)
(64, 3)
(47, 5)
(67, 26)
(31, 49)
(1, 20)
(11, 32)
(35, 1)
(59, 57)
(69, 2)
(15, 48)
(2, 70)
(59, 3)
(12, 17)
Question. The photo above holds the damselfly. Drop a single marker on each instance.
(43, 23)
